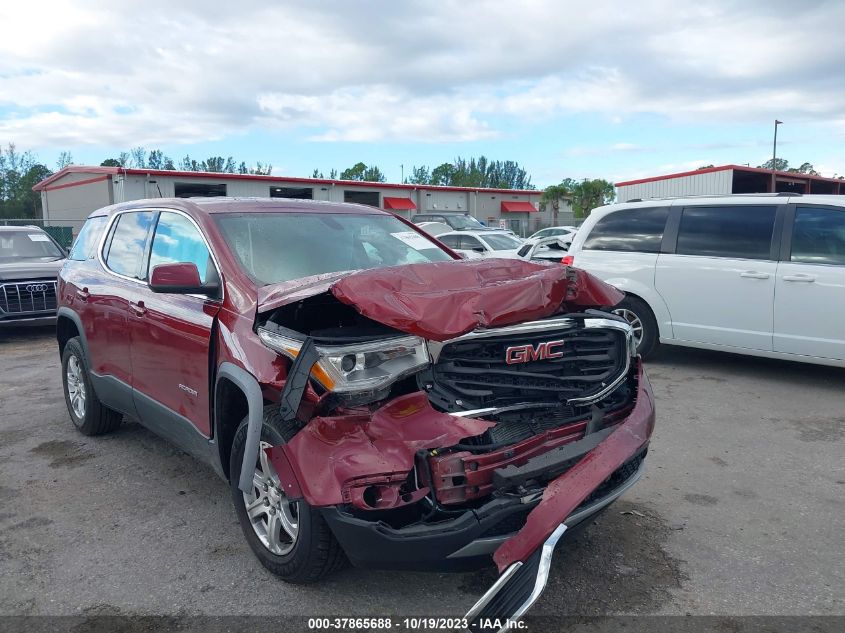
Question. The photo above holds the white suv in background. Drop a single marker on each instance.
(753, 274)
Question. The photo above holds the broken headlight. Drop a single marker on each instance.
(357, 367)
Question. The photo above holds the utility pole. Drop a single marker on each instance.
(774, 157)
(402, 167)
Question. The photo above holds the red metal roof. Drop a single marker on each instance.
(399, 204)
(708, 170)
(518, 207)
(88, 169)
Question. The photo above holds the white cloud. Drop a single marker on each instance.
(108, 73)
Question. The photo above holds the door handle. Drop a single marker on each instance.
(753, 274)
(800, 277)
(83, 294)
(138, 308)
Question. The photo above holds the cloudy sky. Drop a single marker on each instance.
(568, 89)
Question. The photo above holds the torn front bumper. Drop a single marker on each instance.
(524, 560)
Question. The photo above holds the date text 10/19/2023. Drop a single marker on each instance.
(412, 623)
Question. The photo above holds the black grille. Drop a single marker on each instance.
(28, 297)
(474, 370)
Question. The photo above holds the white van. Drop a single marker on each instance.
(754, 274)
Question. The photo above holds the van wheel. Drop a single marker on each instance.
(290, 538)
(636, 312)
(88, 414)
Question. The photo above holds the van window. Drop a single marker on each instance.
(742, 231)
(639, 230)
(818, 236)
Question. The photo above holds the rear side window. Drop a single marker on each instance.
(742, 231)
(128, 243)
(818, 236)
(85, 246)
(638, 230)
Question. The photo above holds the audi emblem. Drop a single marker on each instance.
(32, 288)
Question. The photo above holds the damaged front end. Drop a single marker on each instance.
(456, 410)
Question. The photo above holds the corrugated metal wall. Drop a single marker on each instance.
(710, 183)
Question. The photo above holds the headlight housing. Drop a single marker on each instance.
(360, 367)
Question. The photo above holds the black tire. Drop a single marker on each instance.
(96, 418)
(315, 553)
(639, 308)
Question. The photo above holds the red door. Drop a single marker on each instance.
(170, 338)
(101, 297)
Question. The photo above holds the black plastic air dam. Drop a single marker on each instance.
(516, 590)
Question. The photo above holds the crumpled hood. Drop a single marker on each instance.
(442, 300)
(22, 270)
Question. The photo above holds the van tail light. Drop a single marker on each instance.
(568, 260)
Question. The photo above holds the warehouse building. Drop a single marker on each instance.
(726, 179)
(69, 195)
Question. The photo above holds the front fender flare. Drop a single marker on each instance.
(255, 418)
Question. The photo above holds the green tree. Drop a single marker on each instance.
(805, 168)
(780, 164)
(553, 194)
(442, 174)
(19, 172)
(65, 159)
(419, 176)
(360, 171)
(589, 194)
(356, 172)
(110, 162)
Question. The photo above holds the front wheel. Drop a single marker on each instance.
(290, 538)
(641, 319)
(88, 414)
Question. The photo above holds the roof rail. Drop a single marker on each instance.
(779, 194)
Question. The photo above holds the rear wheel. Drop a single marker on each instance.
(88, 414)
(290, 538)
(637, 313)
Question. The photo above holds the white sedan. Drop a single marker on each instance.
(478, 244)
(566, 233)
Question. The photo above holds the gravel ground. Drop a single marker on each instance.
(740, 511)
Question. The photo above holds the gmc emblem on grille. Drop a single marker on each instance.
(527, 353)
(36, 288)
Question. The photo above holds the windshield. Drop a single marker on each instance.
(501, 241)
(31, 245)
(463, 222)
(276, 247)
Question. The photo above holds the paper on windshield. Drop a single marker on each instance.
(414, 240)
(38, 237)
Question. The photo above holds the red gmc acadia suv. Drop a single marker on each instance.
(366, 393)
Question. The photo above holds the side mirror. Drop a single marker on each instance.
(181, 278)
(478, 249)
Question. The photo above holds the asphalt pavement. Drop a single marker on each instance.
(741, 511)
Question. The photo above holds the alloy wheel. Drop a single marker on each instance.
(274, 518)
(75, 387)
(634, 321)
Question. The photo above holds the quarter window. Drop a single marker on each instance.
(128, 243)
(818, 236)
(741, 232)
(177, 241)
(639, 230)
(85, 245)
